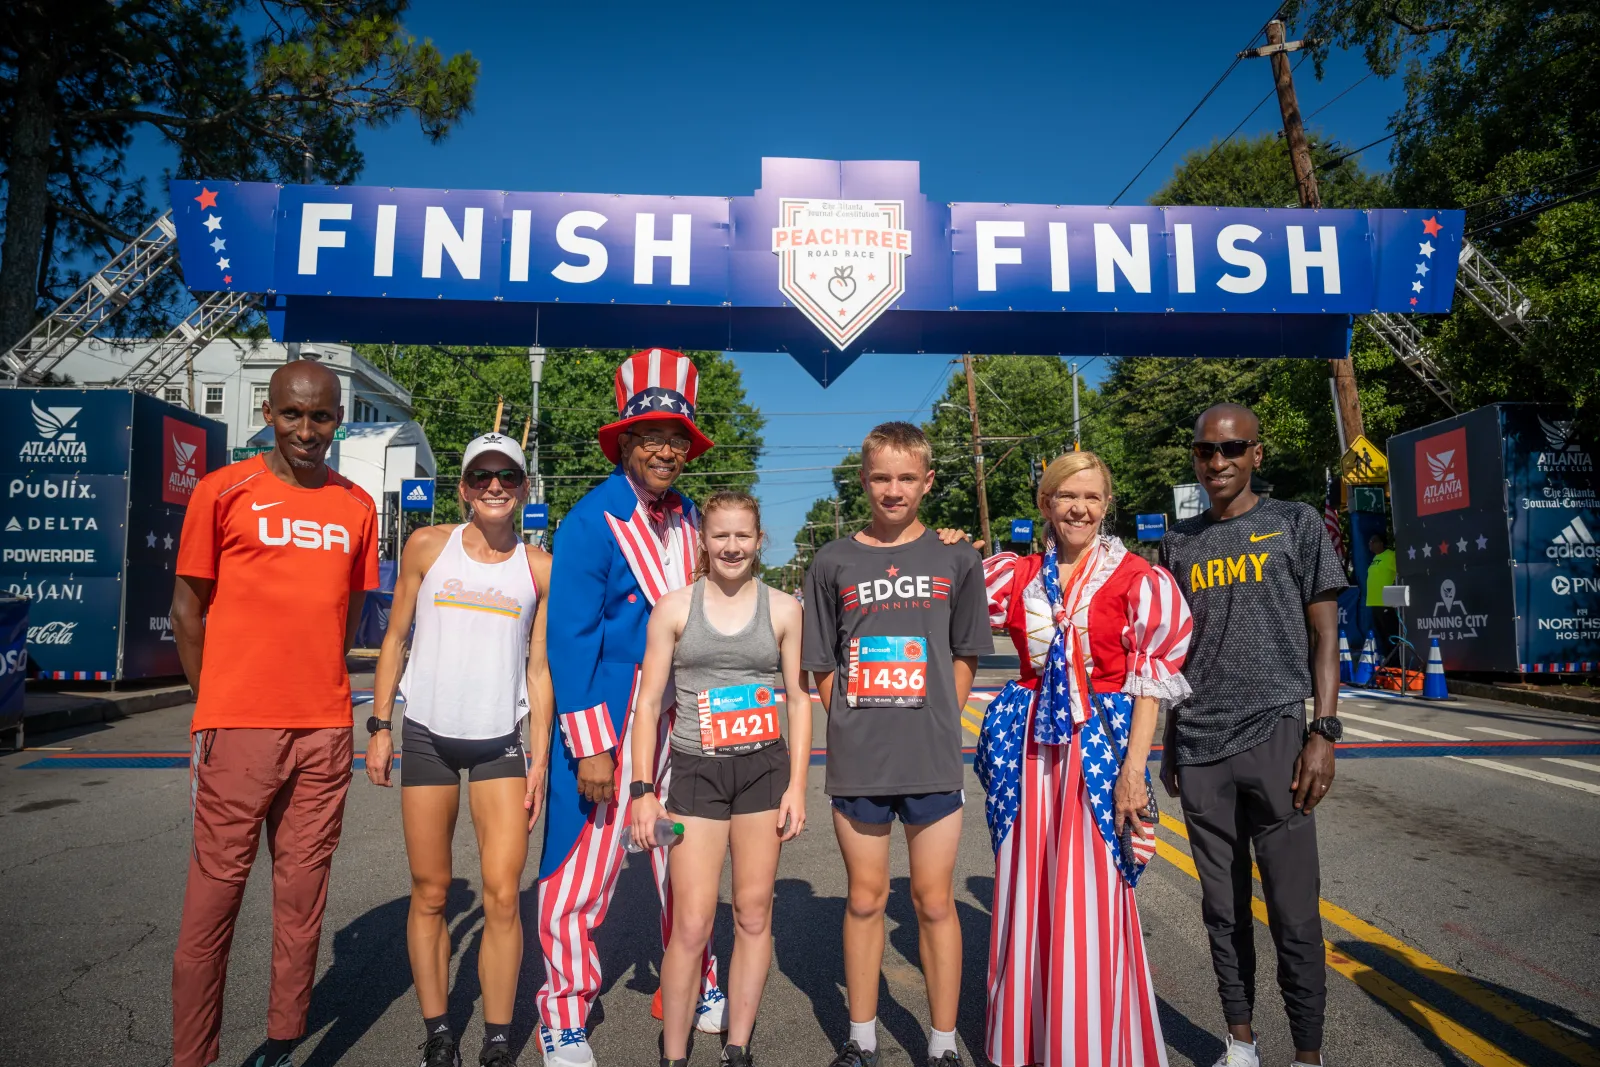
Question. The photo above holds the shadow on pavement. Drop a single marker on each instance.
(370, 971)
(1198, 1045)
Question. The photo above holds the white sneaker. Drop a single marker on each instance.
(711, 1016)
(566, 1048)
(1239, 1054)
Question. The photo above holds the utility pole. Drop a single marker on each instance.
(1347, 400)
(977, 452)
(837, 532)
(536, 372)
(308, 161)
(1077, 436)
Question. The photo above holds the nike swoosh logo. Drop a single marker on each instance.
(275, 503)
(1262, 537)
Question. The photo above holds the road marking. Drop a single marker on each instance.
(1538, 776)
(1573, 763)
(1363, 735)
(1468, 989)
(1402, 726)
(1501, 733)
(1521, 772)
(1469, 1044)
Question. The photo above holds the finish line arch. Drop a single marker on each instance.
(826, 261)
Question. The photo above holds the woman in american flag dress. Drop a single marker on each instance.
(1102, 635)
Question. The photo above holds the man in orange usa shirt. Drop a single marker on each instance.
(276, 556)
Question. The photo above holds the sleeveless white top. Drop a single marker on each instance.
(467, 676)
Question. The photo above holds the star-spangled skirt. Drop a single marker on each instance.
(1068, 980)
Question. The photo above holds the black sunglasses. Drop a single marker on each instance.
(477, 478)
(1204, 450)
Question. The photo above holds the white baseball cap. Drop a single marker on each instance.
(493, 442)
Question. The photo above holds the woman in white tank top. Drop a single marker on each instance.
(477, 670)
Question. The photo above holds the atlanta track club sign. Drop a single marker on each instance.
(824, 261)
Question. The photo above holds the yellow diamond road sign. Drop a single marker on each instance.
(1363, 464)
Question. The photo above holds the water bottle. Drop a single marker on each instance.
(666, 835)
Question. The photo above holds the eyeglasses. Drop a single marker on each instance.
(478, 478)
(1204, 450)
(655, 443)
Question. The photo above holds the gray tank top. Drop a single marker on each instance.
(707, 659)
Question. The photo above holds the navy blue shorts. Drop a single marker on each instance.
(914, 809)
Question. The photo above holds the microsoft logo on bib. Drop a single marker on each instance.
(1575, 542)
(304, 533)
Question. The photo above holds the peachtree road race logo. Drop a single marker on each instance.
(58, 437)
(841, 262)
(1441, 464)
(1565, 453)
(1575, 542)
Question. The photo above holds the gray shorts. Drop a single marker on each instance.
(427, 758)
(720, 787)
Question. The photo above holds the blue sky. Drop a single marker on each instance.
(1026, 103)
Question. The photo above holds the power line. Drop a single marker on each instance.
(1196, 109)
(1531, 212)
(1233, 132)
(1335, 100)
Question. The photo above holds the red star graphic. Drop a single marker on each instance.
(227, 279)
(207, 198)
(872, 277)
(1444, 548)
(813, 275)
(893, 570)
(1431, 226)
(841, 311)
(1413, 301)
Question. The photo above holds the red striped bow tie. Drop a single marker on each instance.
(662, 507)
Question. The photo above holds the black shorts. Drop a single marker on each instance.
(913, 809)
(720, 787)
(429, 759)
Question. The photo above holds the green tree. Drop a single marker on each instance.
(1255, 172)
(1502, 117)
(455, 392)
(240, 91)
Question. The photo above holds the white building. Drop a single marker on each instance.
(230, 380)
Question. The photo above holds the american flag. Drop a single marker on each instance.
(1330, 519)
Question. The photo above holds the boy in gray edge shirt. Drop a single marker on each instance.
(1261, 579)
(894, 623)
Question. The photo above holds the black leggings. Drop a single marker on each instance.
(428, 758)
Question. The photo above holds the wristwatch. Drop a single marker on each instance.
(639, 788)
(1328, 726)
(374, 724)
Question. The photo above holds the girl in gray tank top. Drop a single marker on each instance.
(708, 660)
(715, 657)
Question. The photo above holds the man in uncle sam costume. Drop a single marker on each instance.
(627, 543)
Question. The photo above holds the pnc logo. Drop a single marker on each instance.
(303, 533)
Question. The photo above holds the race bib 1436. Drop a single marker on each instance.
(738, 718)
(887, 672)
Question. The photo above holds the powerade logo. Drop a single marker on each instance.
(1441, 464)
(1574, 542)
(1565, 453)
(58, 442)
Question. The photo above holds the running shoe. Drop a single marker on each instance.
(736, 1056)
(1239, 1054)
(497, 1054)
(853, 1055)
(566, 1048)
(710, 1015)
(946, 1059)
(440, 1050)
(282, 1061)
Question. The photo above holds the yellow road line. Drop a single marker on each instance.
(1402, 1000)
(1468, 989)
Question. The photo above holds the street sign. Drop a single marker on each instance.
(1022, 529)
(340, 434)
(416, 494)
(1150, 527)
(536, 517)
(1363, 464)
(1367, 498)
(247, 451)
(1189, 500)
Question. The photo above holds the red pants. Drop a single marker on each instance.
(295, 782)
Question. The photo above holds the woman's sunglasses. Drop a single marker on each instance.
(476, 478)
(1204, 450)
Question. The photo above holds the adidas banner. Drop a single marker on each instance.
(416, 494)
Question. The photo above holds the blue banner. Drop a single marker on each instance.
(1150, 527)
(536, 516)
(856, 248)
(13, 657)
(1022, 530)
(416, 494)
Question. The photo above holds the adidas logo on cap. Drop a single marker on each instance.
(1575, 542)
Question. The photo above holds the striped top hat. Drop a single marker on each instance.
(655, 384)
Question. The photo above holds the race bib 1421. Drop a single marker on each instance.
(887, 672)
(738, 718)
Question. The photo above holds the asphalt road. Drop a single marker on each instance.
(1459, 885)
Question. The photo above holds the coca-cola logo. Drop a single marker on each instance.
(52, 633)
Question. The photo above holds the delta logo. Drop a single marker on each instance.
(1565, 453)
(184, 463)
(57, 442)
(895, 591)
(1442, 473)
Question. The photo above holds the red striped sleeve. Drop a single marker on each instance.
(997, 573)
(589, 732)
(1159, 627)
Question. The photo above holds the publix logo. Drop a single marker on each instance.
(1574, 542)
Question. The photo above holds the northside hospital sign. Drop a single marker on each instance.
(825, 261)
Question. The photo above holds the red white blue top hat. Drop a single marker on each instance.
(657, 383)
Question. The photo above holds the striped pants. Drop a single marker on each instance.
(1068, 979)
(574, 898)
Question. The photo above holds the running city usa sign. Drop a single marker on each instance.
(825, 260)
